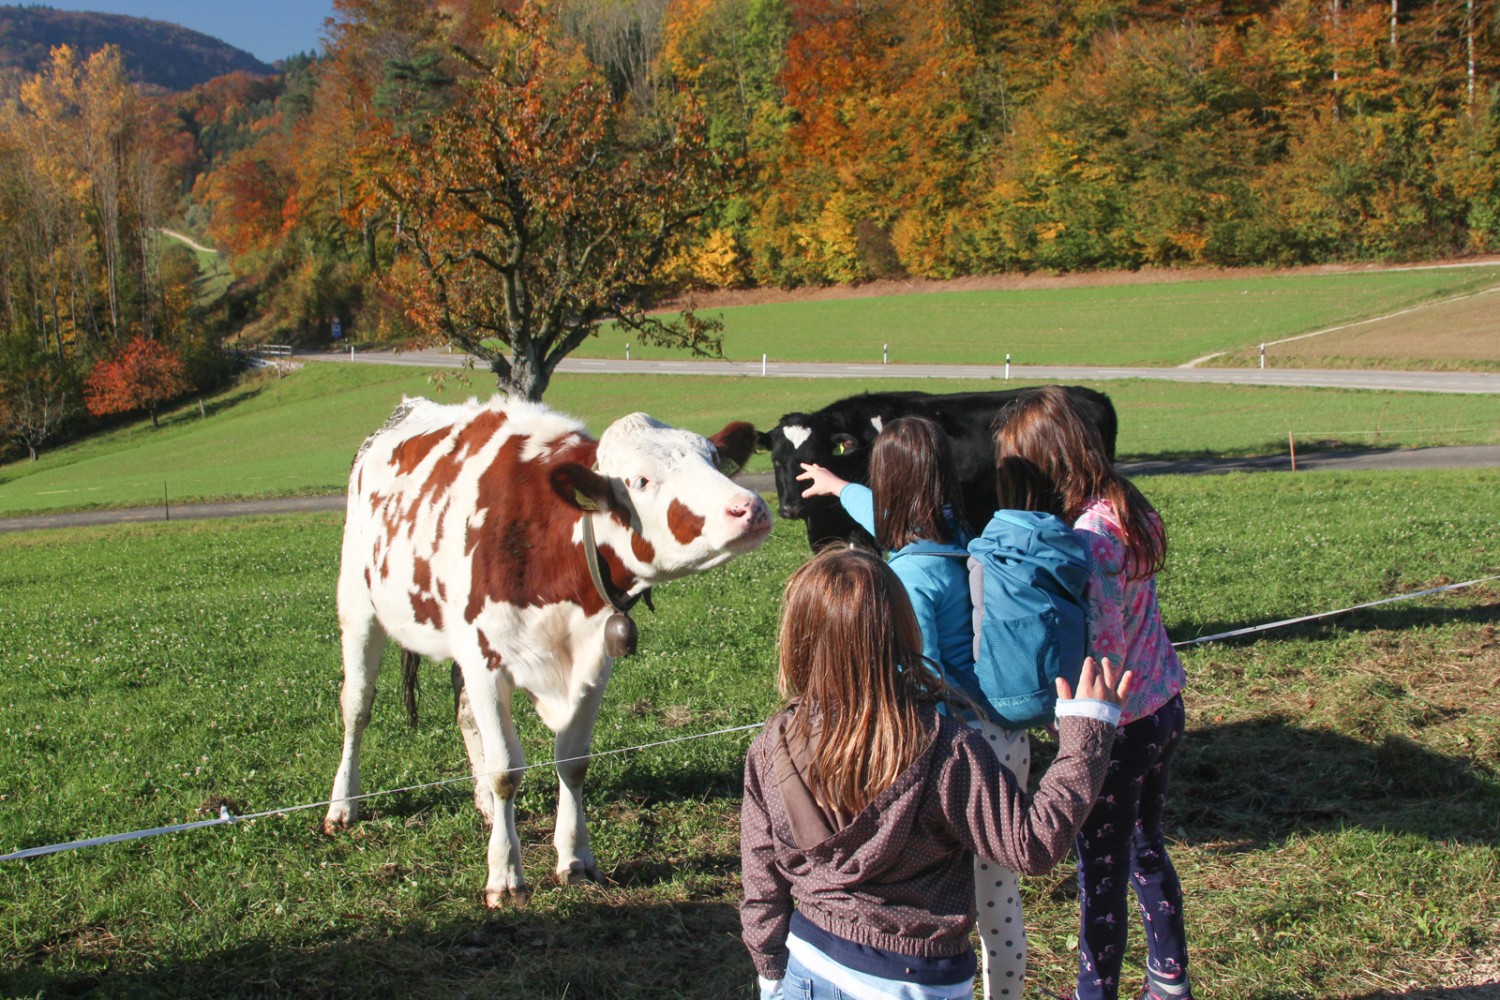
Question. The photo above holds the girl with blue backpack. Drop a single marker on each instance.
(1050, 459)
(913, 508)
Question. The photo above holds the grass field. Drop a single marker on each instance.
(1096, 324)
(297, 435)
(1336, 819)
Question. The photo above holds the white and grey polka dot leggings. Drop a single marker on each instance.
(997, 894)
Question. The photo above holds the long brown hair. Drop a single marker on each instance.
(915, 485)
(851, 652)
(1048, 457)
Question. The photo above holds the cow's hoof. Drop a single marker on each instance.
(333, 826)
(579, 873)
(499, 899)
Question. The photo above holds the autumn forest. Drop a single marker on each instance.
(506, 175)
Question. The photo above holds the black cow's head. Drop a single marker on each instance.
(819, 439)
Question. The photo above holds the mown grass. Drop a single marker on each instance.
(1336, 819)
(1127, 324)
(297, 435)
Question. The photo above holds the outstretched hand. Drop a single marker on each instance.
(1100, 684)
(821, 482)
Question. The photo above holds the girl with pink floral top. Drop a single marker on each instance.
(1049, 458)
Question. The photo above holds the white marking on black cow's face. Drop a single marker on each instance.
(796, 434)
(878, 424)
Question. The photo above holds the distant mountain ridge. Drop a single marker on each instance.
(155, 52)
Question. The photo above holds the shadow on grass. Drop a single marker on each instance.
(1389, 617)
(583, 950)
(1252, 784)
(1487, 992)
(222, 402)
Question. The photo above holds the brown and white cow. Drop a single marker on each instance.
(464, 540)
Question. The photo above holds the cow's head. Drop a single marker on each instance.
(671, 490)
(813, 438)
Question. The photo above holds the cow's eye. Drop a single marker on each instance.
(637, 483)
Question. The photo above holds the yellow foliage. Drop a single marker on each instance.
(718, 262)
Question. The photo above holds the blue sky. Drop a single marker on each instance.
(267, 29)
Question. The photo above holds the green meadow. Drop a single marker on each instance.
(297, 435)
(1336, 815)
(1106, 324)
(1336, 819)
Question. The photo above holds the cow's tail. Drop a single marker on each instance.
(409, 664)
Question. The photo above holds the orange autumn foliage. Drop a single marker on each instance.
(146, 374)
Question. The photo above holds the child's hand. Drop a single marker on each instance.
(821, 482)
(1100, 685)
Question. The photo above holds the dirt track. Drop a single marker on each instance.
(987, 282)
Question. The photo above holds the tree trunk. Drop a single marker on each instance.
(1469, 41)
(526, 379)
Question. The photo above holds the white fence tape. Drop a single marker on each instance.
(225, 817)
(1330, 614)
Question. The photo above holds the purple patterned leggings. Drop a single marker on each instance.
(1121, 844)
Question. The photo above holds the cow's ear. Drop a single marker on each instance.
(736, 443)
(845, 444)
(762, 441)
(582, 487)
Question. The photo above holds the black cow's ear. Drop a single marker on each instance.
(845, 444)
(735, 443)
(582, 487)
(762, 441)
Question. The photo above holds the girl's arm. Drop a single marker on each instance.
(856, 499)
(766, 912)
(1106, 590)
(992, 816)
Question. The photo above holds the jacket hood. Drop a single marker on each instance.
(845, 847)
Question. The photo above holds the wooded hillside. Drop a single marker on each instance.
(402, 179)
(155, 53)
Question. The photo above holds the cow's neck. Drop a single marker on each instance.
(606, 581)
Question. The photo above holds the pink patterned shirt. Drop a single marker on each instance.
(1124, 618)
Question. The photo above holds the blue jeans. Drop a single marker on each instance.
(1120, 846)
(802, 984)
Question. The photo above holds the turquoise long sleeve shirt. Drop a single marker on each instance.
(938, 585)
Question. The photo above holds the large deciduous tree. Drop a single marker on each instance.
(534, 204)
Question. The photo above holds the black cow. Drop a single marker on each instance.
(838, 437)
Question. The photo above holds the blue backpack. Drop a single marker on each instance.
(1030, 624)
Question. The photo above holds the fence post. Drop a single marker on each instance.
(1292, 443)
(627, 352)
(762, 364)
(1007, 366)
(1262, 355)
(885, 354)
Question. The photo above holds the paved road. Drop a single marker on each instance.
(1464, 382)
(1469, 456)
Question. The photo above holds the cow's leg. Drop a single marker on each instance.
(484, 800)
(575, 862)
(497, 773)
(363, 644)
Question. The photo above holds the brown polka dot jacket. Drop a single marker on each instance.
(900, 874)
